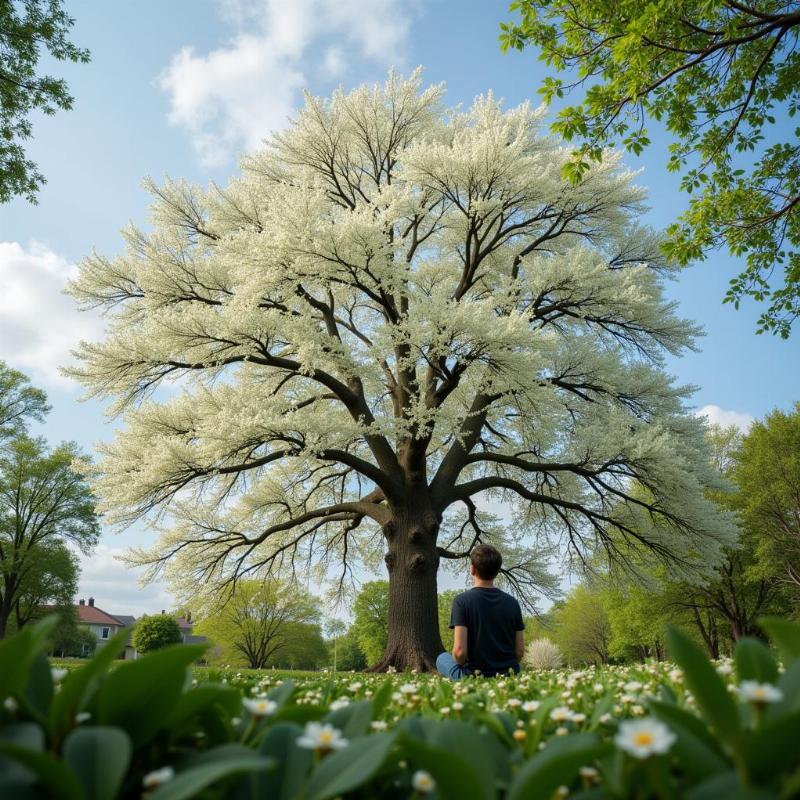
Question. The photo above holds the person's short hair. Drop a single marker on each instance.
(486, 560)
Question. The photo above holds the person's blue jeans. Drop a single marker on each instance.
(448, 667)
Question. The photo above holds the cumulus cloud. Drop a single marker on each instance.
(115, 586)
(726, 418)
(232, 98)
(39, 324)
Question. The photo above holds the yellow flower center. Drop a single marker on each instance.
(325, 737)
(643, 739)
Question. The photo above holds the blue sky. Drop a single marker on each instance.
(180, 87)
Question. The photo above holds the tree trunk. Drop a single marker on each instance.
(414, 641)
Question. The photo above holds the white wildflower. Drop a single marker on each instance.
(643, 738)
(260, 706)
(319, 736)
(423, 782)
(157, 777)
(759, 693)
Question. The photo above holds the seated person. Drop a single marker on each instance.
(486, 621)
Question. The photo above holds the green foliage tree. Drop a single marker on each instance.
(582, 629)
(767, 474)
(305, 648)
(722, 76)
(68, 638)
(49, 579)
(26, 28)
(45, 502)
(255, 622)
(349, 655)
(155, 631)
(19, 402)
(371, 609)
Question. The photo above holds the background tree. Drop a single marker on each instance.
(395, 313)
(583, 631)
(349, 655)
(722, 77)
(767, 473)
(305, 648)
(371, 609)
(50, 579)
(26, 28)
(69, 639)
(44, 502)
(20, 403)
(154, 631)
(257, 620)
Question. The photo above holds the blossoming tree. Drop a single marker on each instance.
(396, 312)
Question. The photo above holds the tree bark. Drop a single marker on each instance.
(414, 640)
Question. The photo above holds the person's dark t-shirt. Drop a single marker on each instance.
(492, 618)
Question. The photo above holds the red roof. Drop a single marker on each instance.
(92, 615)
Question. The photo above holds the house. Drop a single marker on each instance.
(104, 625)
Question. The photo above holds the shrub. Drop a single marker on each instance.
(543, 654)
(155, 632)
(117, 730)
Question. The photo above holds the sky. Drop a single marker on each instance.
(183, 87)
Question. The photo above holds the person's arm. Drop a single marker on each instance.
(460, 644)
(519, 645)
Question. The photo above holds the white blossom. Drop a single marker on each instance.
(759, 693)
(423, 782)
(643, 738)
(158, 776)
(319, 736)
(260, 706)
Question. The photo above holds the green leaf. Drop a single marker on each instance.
(556, 765)
(754, 662)
(710, 692)
(774, 748)
(99, 756)
(349, 768)
(24, 734)
(39, 689)
(52, 774)
(140, 696)
(293, 765)
(382, 698)
(189, 783)
(726, 786)
(786, 636)
(77, 687)
(472, 746)
(695, 748)
(198, 700)
(17, 654)
(454, 776)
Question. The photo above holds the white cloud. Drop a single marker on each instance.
(726, 418)
(234, 96)
(115, 586)
(39, 324)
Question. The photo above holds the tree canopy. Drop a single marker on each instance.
(722, 77)
(155, 631)
(396, 311)
(45, 503)
(27, 27)
(257, 621)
